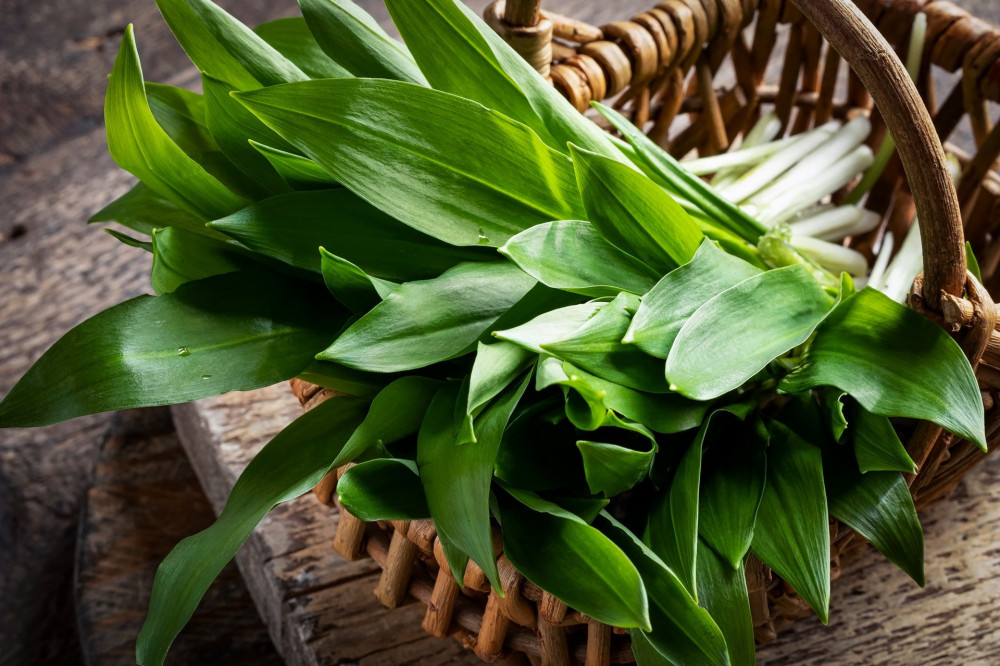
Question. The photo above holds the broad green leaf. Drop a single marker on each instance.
(672, 527)
(300, 173)
(682, 631)
(735, 335)
(572, 508)
(538, 451)
(671, 174)
(676, 297)
(346, 226)
(130, 241)
(550, 326)
(140, 146)
(441, 33)
(292, 463)
(878, 506)
(634, 213)
(496, 367)
(181, 114)
(612, 469)
(291, 37)
(383, 489)
(597, 348)
(575, 563)
(572, 256)
(142, 210)
(644, 652)
(260, 59)
(424, 322)
(180, 256)
(456, 477)
(356, 42)
(722, 590)
(876, 444)
(792, 533)
(418, 154)
(895, 363)
(350, 285)
(232, 332)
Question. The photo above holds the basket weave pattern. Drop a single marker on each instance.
(660, 66)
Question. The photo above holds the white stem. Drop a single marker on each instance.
(763, 131)
(832, 256)
(881, 261)
(744, 157)
(837, 223)
(904, 266)
(826, 182)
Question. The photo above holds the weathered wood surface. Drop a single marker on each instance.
(144, 499)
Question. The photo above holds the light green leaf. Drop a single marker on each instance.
(895, 363)
(590, 573)
(834, 407)
(383, 489)
(876, 444)
(231, 332)
(291, 37)
(140, 146)
(572, 256)
(550, 326)
(180, 256)
(612, 469)
(496, 366)
(735, 335)
(350, 285)
(418, 154)
(181, 114)
(348, 227)
(792, 533)
(428, 321)
(352, 38)
(300, 173)
(722, 590)
(292, 463)
(634, 213)
(142, 210)
(670, 303)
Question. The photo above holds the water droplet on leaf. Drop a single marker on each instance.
(483, 238)
(183, 351)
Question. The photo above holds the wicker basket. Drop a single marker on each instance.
(660, 66)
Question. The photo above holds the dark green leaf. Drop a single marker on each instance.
(735, 335)
(612, 469)
(181, 114)
(895, 363)
(876, 444)
(538, 451)
(344, 380)
(350, 285)
(834, 407)
(180, 256)
(291, 37)
(300, 173)
(130, 241)
(142, 210)
(722, 590)
(383, 489)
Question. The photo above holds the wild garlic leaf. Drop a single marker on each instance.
(356, 42)
(383, 489)
(181, 114)
(877, 447)
(550, 326)
(894, 362)
(736, 334)
(597, 348)
(792, 533)
(681, 631)
(348, 227)
(291, 38)
(722, 590)
(130, 240)
(591, 574)
(350, 285)
(879, 507)
(141, 147)
(441, 33)
(495, 367)
(142, 210)
(611, 469)
(634, 213)
(573, 256)
(429, 321)
(418, 154)
(291, 463)
(180, 257)
(538, 451)
(232, 332)
(300, 173)
(833, 403)
(673, 299)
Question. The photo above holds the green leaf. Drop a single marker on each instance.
(417, 154)
(291, 37)
(231, 332)
(424, 322)
(352, 38)
(441, 33)
(682, 631)
(735, 335)
(550, 326)
(348, 227)
(538, 451)
(130, 241)
(180, 256)
(300, 173)
(792, 534)
(834, 407)
(575, 563)
(972, 262)
(597, 348)
(292, 463)
(142, 210)
(572, 256)
(722, 590)
(350, 285)
(895, 363)
(140, 146)
(612, 469)
(344, 380)
(878, 506)
(671, 174)
(634, 213)
(876, 444)
(680, 293)
(495, 368)
(181, 114)
(383, 489)
(457, 477)
(644, 652)
(672, 527)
